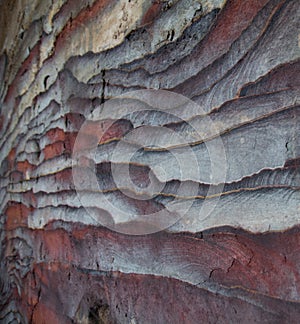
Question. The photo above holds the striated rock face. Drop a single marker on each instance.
(150, 161)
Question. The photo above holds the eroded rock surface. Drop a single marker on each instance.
(237, 61)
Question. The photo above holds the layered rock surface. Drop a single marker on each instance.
(237, 63)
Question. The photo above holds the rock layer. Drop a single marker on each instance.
(237, 64)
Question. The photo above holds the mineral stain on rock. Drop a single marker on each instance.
(62, 61)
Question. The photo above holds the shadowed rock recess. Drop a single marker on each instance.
(61, 260)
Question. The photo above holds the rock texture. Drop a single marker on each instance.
(238, 64)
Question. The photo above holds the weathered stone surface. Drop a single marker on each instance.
(234, 66)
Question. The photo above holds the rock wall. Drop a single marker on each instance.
(207, 230)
